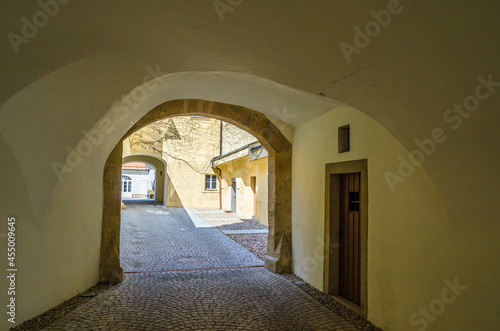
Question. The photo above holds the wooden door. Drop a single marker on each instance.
(349, 235)
(233, 195)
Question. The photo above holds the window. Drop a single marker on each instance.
(353, 201)
(126, 184)
(344, 139)
(210, 182)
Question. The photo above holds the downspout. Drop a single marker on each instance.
(220, 139)
(220, 171)
(220, 182)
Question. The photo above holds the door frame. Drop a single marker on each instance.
(253, 186)
(233, 195)
(331, 240)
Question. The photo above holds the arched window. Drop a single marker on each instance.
(126, 184)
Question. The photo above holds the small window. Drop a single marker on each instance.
(344, 139)
(210, 182)
(353, 201)
(126, 184)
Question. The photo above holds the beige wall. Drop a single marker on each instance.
(237, 165)
(187, 144)
(243, 170)
(188, 160)
(234, 137)
(408, 240)
(186, 188)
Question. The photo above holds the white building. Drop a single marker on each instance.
(138, 180)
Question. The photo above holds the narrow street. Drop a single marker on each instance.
(184, 274)
(156, 238)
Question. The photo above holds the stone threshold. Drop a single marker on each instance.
(209, 212)
(195, 269)
(223, 219)
(245, 231)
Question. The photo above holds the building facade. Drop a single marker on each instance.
(244, 181)
(138, 180)
(210, 164)
(187, 144)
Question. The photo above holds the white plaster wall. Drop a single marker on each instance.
(141, 182)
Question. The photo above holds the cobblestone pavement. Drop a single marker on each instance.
(212, 283)
(255, 243)
(155, 238)
(238, 295)
(235, 299)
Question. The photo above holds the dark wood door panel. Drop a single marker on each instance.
(349, 268)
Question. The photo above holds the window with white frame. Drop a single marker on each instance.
(126, 184)
(210, 182)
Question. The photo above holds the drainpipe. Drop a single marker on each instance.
(220, 171)
(220, 139)
(220, 182)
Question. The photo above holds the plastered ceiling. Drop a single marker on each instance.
(421, 61)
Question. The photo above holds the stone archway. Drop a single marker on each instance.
(161, 173)
(278, 255)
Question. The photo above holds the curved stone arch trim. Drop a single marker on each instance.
(161, 172)
(278, 256)
(157, 158)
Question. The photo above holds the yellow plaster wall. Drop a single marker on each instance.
(188, 154)
(186, 188)
(407, 229)
(243, 170)
(188, 161)
(233, 137)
